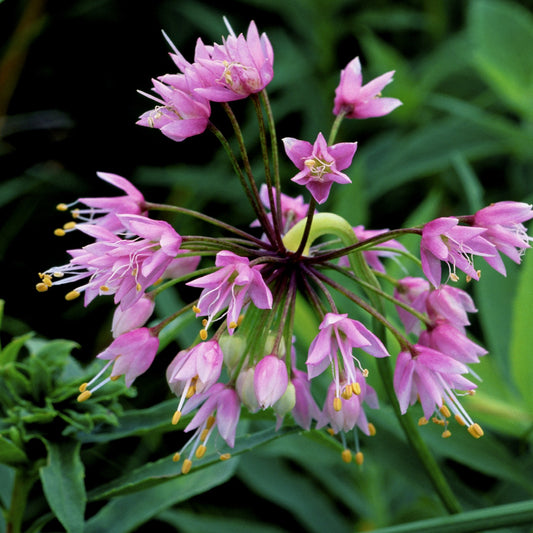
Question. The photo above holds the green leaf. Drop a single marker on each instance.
(501, 34)
(63, 485)
(165, 469)
(272, 479)
(10, 453)
(126, 513)
(522, 334)
(11, 351)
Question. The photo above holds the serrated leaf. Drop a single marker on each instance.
(522, 334)
(500, 34)
(10, 453)
(126, 513)
(63, 483)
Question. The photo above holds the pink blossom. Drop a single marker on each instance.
(292, 209)
(444, 240)
(270, 380)
(430, 376)
(179, 114)
(222, 401)
(123, 267)
(132, 353)
(414, 292)
(362, 101)
(133, 317)
(503, 222)
(450, 304)
(230, 287)
(351, 413)
(319, 164)
(305, 409)
(235, 69)
(340, 333)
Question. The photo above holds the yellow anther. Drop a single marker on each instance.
(365, 372)
(210, 422)
(47, 281)
(58, 274)
(176, 457)
(347, 393)
(476, 431)
(225, 456)
(69, 225)
(83, 387)
(356, 388)
(72, 295)
(190, 392)
(195, 309)
(240, 319)
(138, 287)
(61, 207)
(204, 434)
(446, 434)
(437, 421)
(371, 429)
(59, 232)
(422, 421)
(454, 277)
(478, 272)
(346, 456)
(200, 451)
(103, 288)
(444, 411)
(75, 213)
(186, 467)
(203, 334)
(176, 417)
(471, 393)
(114, 378)
(41, 287)
(468, 279)
(337, 404)
(232, 325)
(359, 458)
(459, 420)
(330, 431)
(310, 163)
(85, 395)
(204, 322)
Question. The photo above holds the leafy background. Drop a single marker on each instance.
(69, 71)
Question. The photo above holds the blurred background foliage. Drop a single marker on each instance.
(69, 71)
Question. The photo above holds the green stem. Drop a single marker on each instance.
(24, 481)
(330, 223)
(335, 128)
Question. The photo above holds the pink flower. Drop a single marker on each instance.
(414, 292)
(451, 305)
(133, 317)
(319, 164)
(179, 114)
(305, 409)
(230, 287)
(123, 267)
(270, 380)
(352, 413)
(430, 376)
(132, 353)
(444, 240)
(362, 101)
(222, 401)
(235, 69)
(340, 333)
(503, 222)
(292, 209)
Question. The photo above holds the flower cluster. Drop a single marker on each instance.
(249, 351)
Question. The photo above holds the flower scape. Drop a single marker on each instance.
(246, 352)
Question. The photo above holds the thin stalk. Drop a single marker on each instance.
(258, 206)
(312, 273)
(335, 127)
(307, 228)
(24, 481)
(275, 206)
(206, 218)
